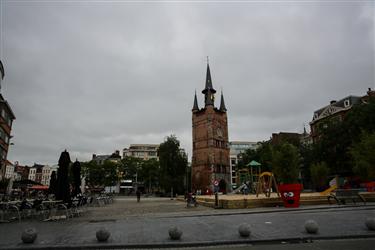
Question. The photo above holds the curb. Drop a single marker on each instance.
(292, 240)
(360, 207)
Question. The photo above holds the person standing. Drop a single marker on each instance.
(138, 195)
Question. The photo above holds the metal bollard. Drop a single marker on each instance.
(216, 200)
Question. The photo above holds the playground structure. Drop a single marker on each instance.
(257, 181)
(265, 183)
(329, 190)
(249, 175)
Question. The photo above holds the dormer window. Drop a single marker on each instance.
(346, 103)
(316, 115)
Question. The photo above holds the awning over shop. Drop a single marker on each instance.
(39, 187)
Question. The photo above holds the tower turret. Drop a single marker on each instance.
(195, 106)
(222, 103)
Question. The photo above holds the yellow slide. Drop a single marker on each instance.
(328, 190)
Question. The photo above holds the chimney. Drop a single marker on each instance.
(370, 92)
(333, 102)
(93, 156)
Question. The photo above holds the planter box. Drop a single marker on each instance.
(290, 194)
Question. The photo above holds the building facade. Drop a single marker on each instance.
(9, 170)
(210, 161)
(47, 172)
(335, 112)
(100, 159)
(142, 151)
(236, 148)
(21, 172)
(6, 121)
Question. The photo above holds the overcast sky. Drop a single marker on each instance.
(93, 77)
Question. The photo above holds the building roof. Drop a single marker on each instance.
(101, 157)
(336, 107)
(36, 165)
(143, 145)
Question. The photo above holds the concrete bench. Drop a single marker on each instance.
(342, 195)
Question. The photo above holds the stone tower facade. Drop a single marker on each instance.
(210, 162)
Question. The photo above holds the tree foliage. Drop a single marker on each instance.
(76, 177)
(63, 189)
(100, 175)
(52, 183)
(110, 173)
(285, 163)
(4, 184)
(319, 174)
(173, 164)
(130, 166)
(338, 137)
(149, 173)
(363, 153)
(263, 155)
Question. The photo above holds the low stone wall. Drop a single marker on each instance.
(251, 201)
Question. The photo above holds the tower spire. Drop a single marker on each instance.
(222, 103)
(209, 91)
(195, 106)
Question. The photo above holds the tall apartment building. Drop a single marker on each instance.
(236, 148)
(6, 121)
(142, 151)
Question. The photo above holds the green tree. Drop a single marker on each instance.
(319, 174)
(173, 164)
(149, 174)
(3, 185)
(94, 173)
(53, 183)
(338, 137)
(307, 159)
(285, 163)
(63, 189)
(76, 177)
(263, 155)
(110, 170)
(130, 167)
(363, 153)
(100, 175)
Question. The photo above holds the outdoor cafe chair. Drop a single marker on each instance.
(10, 212)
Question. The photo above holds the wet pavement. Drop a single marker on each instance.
(146, 224)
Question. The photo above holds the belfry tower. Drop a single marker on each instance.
(210, 162)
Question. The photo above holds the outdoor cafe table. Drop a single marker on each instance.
(52, 202)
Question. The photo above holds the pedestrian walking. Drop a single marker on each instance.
(138, 195)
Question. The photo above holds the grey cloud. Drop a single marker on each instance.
(95, 77)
